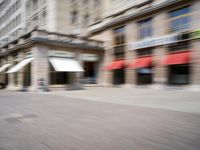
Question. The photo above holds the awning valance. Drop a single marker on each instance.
(4, 67)
(20, 65)
(141, 62)
(177, 58)
(65, 65)
(118, 64)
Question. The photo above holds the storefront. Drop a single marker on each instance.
(144, 70)
(178, 68)
(118, 71)
(91, 67)
(4, 75)
(46, 64)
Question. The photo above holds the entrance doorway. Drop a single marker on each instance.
(90, 72)
(118, 76)
(178, 74)
(27, 76)
(144, 76)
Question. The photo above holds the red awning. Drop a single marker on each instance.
(177, 58)
(118, 64)
(141, 62)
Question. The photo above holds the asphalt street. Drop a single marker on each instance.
(42, 121)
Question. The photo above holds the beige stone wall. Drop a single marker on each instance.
(161, 28)
(11, 75)
(130, 55)
(195, 63)
(40, 66)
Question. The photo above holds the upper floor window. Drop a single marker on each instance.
(86, 20)
(119, 41)
(119, 37)
(145, 28)
(74, 17)
(144, 52)
(181, 46)
(35, 4)
(96, 3)
(180, 19)
(85, 2)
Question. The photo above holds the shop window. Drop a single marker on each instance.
(144, 52)
(180, 19)
(118, 76)
(119, 41)
(145, 28)
(181, 46)
(178, 74)
(144, 76)
(58, 78)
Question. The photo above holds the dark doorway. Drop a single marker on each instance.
(118, 76)
(144, 76)
(178, 74)
(90, 72)
(27, 76)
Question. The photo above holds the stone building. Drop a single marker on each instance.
(32, 31)
(150, 42)
(41, 60)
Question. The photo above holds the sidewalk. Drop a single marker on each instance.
(172, 99)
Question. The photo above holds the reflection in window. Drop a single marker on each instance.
(180, 19)
(145, 28)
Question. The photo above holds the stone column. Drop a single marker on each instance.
(108, 58)
(75, 77)
(10, 75)
(195, 44)
(160, 71)
(161, 28)
(130, 54)
(100, 69)
(195, 16)
(195, 65)
(40, 67)
(21, 72)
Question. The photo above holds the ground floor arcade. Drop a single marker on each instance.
(47, 66)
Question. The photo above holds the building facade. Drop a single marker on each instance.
(64, 16)
(150, 42)
(42, 60)
(12, 19)
(59, 28)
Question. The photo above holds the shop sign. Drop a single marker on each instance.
(64, 54)
(90, 57)
(196, 34)
(154, 41)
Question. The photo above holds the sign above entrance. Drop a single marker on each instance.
(154, 41)
(64, 54)
(90, 57)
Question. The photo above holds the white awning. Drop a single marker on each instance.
(4, 67)
(20, 65)
(65, 65)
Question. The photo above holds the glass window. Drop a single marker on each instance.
(86, 20)
(74, 16)
(144, 52)
(145, 28)
(181, 46)
(180, 19)
(35, 4)
(119, 41)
